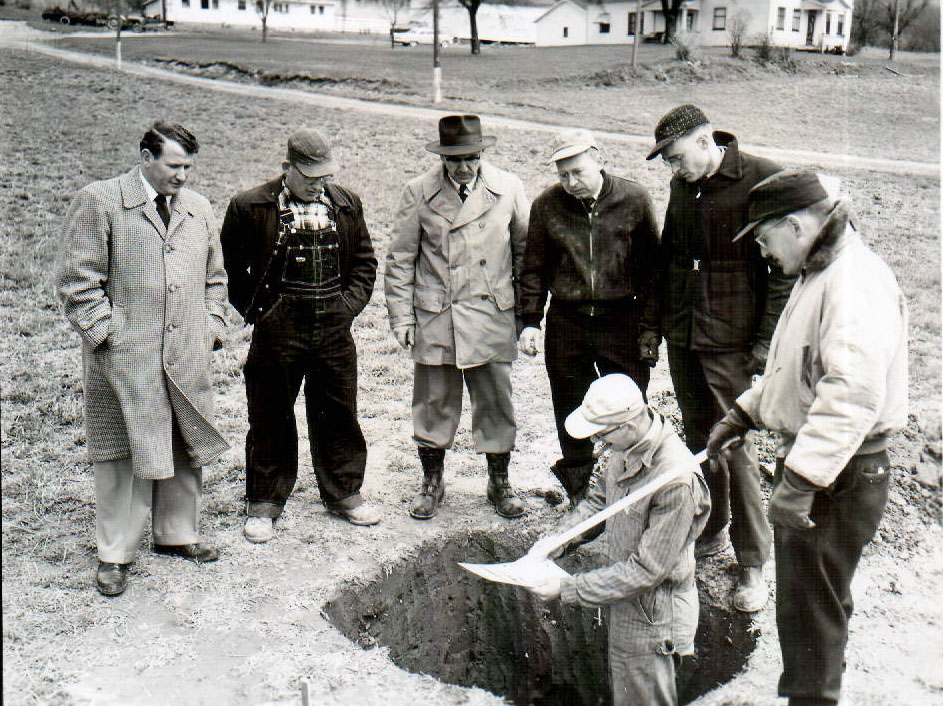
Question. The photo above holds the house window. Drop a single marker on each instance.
(828, 23)
(840, 22)
(204, 4)
(796, 18)
(185, 3)
(313, 9)
(566, 32)
(242, 4)
(215, 4)
(720, 18)
(692, 19)
(631, 23)
(604, 28)
(781, 18)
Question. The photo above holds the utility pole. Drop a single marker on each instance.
(896, 28)
(638, 31)
(436, 65)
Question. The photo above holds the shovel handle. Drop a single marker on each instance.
(630, 499)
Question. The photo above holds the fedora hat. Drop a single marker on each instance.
(460, 135)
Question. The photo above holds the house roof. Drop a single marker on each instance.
(579, 4)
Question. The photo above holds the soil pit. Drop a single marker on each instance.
(437, 619)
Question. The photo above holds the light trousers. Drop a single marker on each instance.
(124, 501)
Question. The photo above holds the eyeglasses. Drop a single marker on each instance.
(455, 159)
(601, 435)
(767, 226)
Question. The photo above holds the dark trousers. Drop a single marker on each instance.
(814, 569)
(706, 384)
(575, 345)
(303, 339)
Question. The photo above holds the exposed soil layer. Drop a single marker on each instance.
(437, 619)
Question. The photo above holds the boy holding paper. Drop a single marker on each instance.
(649, 581)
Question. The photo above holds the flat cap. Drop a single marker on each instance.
(570, 143)
(610, 401)
(676, 123)
(310, 153)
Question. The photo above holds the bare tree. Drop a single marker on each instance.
(671, 9)
(737, 31)
(472, 7)
(392, 9)
(262, 8)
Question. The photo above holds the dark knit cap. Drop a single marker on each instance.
(676, 123)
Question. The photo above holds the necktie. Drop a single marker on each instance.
(162, 210)
(588, 204)
(463, 192)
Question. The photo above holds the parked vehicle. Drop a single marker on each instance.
(422, 35)
(138, 23)
(75, 17)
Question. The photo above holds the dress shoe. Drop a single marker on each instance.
(708, 546)
(363, 515)
(112, 578)
(751, 593)
(199, 553)
(259, 529)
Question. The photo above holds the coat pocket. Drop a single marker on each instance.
(503, 296)
(118, 325)
(429, 298)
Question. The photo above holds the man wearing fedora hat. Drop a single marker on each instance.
(835, 389)
(301, 267)
(649, 581)
(592, 245)
(452, 292)
(720, 301)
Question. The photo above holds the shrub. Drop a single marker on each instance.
(768, 52)
(686, 45)
(737, 31)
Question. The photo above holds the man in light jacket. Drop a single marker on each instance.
(142, 281)
(451, 280)
(835, 389)
(649, 580)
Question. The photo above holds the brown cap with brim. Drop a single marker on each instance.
(780, 194)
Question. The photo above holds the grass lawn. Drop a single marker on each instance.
(830, 104)
(245, 630)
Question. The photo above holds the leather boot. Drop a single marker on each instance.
(500, 492)
(574, 478)
(433, 489)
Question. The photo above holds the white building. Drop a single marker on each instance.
(818, 24)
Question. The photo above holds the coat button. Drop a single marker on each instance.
(173, 287)
(482, 224)
(483, 262)
(168, 247)
(170, 327)
(484, 297)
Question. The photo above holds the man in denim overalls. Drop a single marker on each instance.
(299, 255)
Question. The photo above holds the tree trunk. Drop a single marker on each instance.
(473, 21)
(264, 28)
(893, 51)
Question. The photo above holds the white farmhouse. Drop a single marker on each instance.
(813, 24)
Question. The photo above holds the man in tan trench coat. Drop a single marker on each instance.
(142, 281)
(452, 293)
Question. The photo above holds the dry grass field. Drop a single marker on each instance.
(246, 629)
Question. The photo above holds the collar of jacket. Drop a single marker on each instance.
(268, 193)
(489, 177)
(637, 457)
(604, 191)
(133, 195)
(731, 165)
(837, 231)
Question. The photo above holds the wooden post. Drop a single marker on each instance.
(305, 693)
(436, 64)
(638, 31)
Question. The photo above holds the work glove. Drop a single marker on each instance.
(648, 344)
(756, 365)
(791, 501)
(735, 424)
(405, 335)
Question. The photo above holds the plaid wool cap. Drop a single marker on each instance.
(676, 123)
(610, 401)
(310, 153)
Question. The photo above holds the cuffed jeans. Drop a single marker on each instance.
(437, 406)
(707, 383)
(814, 569)
(302, 338)
(575, 345)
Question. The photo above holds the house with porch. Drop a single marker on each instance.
(808, 24)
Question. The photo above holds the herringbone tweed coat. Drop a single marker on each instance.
(148, 303)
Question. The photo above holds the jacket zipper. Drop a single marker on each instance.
(592, 262)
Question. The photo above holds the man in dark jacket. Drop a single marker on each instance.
(720, 303)
(591, 244)
(301, 267)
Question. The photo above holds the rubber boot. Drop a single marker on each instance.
(426, 503)
(500, 493)
(574, 478)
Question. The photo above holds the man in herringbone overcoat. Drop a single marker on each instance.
(142, 281)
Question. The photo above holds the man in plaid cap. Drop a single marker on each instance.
(720, 302)
(301, 268)
(649, 582)
(592, 245)
(835, 389)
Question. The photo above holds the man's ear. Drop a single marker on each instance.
(147, 156)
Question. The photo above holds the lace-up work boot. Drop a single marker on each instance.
(426, 503)
(500, 493)
(574, 478)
